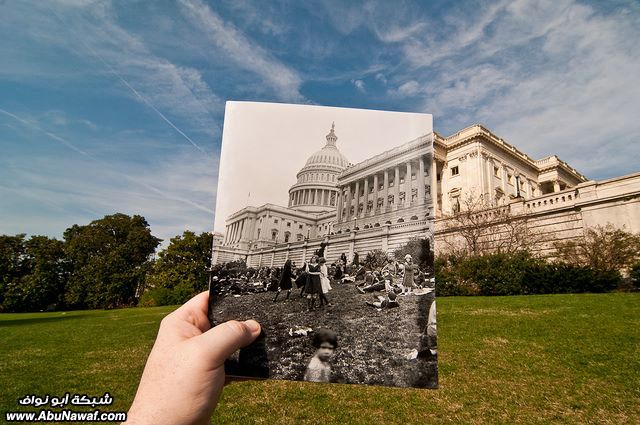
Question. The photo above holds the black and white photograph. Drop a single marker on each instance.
(324, 235)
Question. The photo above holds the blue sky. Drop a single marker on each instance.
(117, 106)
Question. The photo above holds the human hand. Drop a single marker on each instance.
(184, 374)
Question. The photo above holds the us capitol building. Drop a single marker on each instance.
(411, 191)
(380, 203)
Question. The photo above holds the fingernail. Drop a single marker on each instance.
(252, 325)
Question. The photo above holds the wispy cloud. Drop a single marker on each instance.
(543, 75)
(359, 84)
(91, 31)
(246, 54)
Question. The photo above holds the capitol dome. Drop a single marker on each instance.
(315, 189)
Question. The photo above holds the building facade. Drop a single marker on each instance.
(380, 203)
(412, 191)
(556, 200)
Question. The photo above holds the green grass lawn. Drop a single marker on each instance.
(527, 359)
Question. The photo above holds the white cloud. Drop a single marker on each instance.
(549, 77)
(90, 31)
(246, 54)
(359, 84)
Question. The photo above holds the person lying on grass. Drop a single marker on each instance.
(390, 301)
(319, 369)
(371, 283)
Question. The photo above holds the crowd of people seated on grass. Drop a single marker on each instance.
(314, 279)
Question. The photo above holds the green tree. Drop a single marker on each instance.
(182, 267)
(109, 258)
(11, 263)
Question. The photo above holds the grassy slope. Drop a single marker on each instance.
(372, 344)
(536, 359)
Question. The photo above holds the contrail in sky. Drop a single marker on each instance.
(71, 146)
(144, 99)
(126, 83)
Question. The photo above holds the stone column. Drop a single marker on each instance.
(421, 180)
(407, 185)
(556, 186)
(434, 186)
(316, 198)
(396, 188)
(241, 232)
(366, 197)
(503, 179)
(490, 189)
(385, 191)
(235, 232)
(376, 188)
(348, 206)
(339, 204)
(355, 209)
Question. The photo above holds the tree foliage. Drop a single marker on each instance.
(33, 273)
(109, 258)
(181, 269)
(375, 259)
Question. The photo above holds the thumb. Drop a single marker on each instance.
(223, 340)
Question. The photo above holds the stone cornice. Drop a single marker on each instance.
(387, 156)
(472, 133)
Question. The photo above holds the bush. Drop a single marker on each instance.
(375, 259)
(634, 275)
(156, 297)
(518, 274)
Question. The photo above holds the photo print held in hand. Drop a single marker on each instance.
(324, 235)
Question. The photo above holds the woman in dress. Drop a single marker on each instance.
(325, 284)
(313, 287)
(285, 280)
(407, 281)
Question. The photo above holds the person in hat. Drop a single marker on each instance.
(407, 280)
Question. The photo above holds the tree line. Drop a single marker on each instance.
(111, 263)
(107, 263)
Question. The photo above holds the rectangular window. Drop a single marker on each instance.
(455, 171)
(496, 171)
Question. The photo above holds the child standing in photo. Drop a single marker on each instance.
(325, 284)
(319, 369)
(313, 287)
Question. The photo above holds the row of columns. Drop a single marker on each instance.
(421, 181)
(311, 197)
(234, 232)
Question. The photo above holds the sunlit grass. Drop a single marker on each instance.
(533, 359)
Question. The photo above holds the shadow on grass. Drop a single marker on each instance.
(36, 320)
